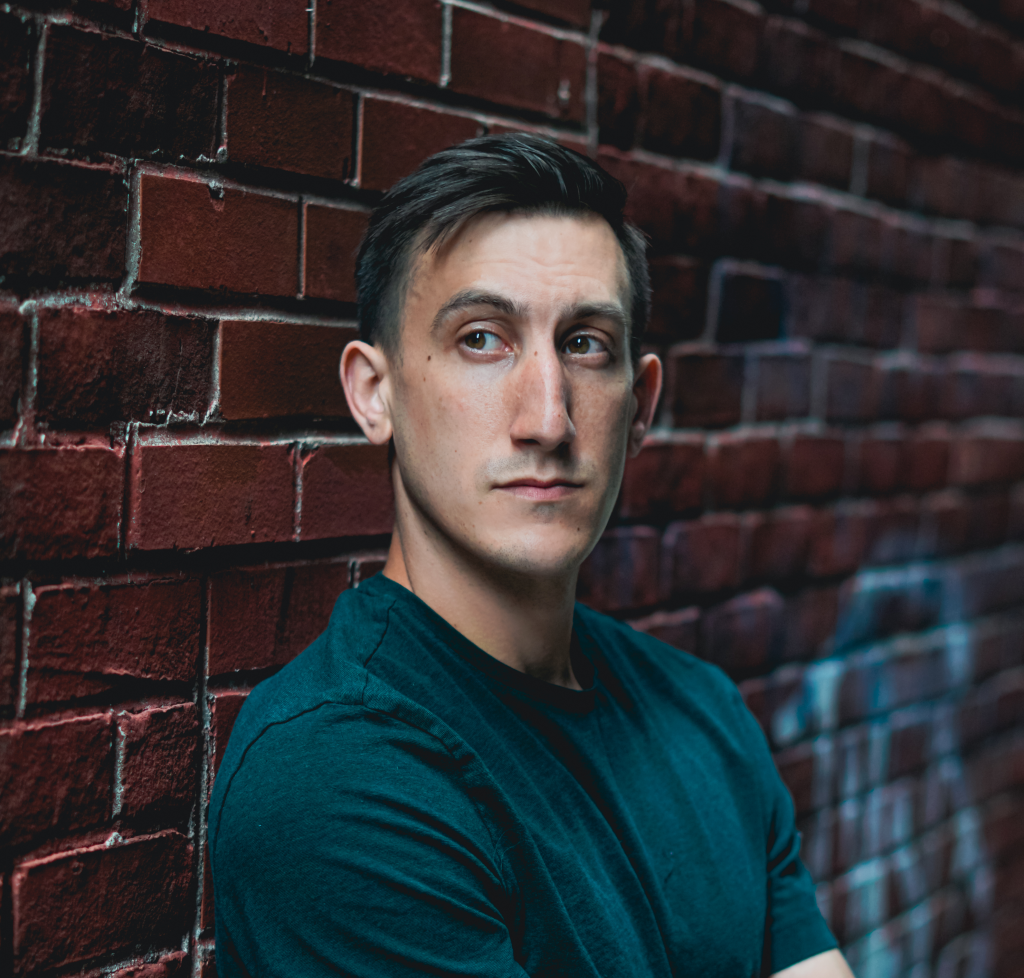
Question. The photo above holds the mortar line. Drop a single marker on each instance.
(446, 46)
(31, 145)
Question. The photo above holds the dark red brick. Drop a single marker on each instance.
(743, 635)
(17, 46)
(190, 496)
(85, 640)
(750, 306)
(665, 479)
(910, 389)
(199, 236)
(683, 115)
(225, 706)
(98, 366)
(402, 38)
(810, 623)
(725, 37)
(346, 491)
(824, 151)
(705, 389)
(550, 73)
(111, 95)
(783, 385)
(618, 100)
(677, 628)
(261, 618)
(765, 138)
(269, 23)
(881, 324)
(679, 296)
(823, 308)
(851, 389)
(10, 630)
(946, 523)
(856, 243)
(622, 570)
(939, 321)
(889, 167)
(779, 541)
(702, 555)
(289, 123)
(56, 777)
(814, 466)
(839, 540)
(397, 137)
(974, 386)
(12, 349)
(60, 503)
(794, 230)
(768, 696)
(796, 765)
(332, 240)
(880, 464)
(157, 770)
(980, 457)
(799, 61)
(279, 369)
(62, 223)
(63, 904)
(893, 531)
(743, 469)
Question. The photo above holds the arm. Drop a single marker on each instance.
(830, 964)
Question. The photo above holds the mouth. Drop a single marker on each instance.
(541, 490)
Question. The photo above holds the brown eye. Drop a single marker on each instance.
(579, 345)
(477, 340)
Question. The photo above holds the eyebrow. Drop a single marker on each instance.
(468, 298)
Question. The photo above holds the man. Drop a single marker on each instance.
(466, 774)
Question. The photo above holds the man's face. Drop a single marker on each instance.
(512, 394)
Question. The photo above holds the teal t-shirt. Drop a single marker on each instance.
(397, 802)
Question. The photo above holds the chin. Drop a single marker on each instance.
(543, 553)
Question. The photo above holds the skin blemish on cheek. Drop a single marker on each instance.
(428, 359)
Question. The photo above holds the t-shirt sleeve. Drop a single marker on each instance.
(795, 928)
(345, 845)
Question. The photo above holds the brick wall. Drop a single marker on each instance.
(832, 506)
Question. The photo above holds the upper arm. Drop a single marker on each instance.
(829, 964)
(345, 841)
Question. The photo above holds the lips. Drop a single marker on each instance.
(541, 490)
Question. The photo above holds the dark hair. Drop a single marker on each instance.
(513, 172)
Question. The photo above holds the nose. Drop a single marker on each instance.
(542, 402)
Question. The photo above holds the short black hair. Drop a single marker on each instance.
(514, 172)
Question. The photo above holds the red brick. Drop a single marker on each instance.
(677, 628)
(576, 12)
(796, 765)
(810, 620)
(881, 464)
(225, 706)
(744, 634)
(852, 389)
(17, 46)
(98, 366)
(190, 496)
(794, 230)
(814, 466)
(824, 308)
(939, 321)
(157, 769)
(839, 540)
(10, 630)
(289, 123)
(683, 115)
(550, 72)
(86, 640)
(12, 347)
(783, 386)
(679, 295)
(173, 965)
(701, 556)
(63, 905)
(893, 531)
(261, 618)
(778, 543)
(272, 370)
(973, 387)
(767, 696)
(618, 100)
(724, 36)
(743, 469)
(705, 389)
(946, 523)
(889, 166)
(62, 223)
(980, 458)
(909, 389)
(799, 62)
(346, 491)
(111, 95)
(56, 777)
(401, 38)
(60, 503)
(765, 137)
(881, 324)
(281, 24)
(202, 237)
(824, 151)
(622, 570)
(750, 307)
(990, 328)
(856, 241)
(332, 240)
(665, 479)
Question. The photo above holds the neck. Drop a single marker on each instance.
(524, 622)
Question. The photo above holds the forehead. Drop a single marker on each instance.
(536, 256)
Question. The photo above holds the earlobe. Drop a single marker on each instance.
(646, 391)
(364, 373)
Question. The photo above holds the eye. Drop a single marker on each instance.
(482, 341)
(581, 344)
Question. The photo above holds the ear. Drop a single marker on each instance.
(646, 390)
(365, 375)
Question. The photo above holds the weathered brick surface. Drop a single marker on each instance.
(830, 507)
